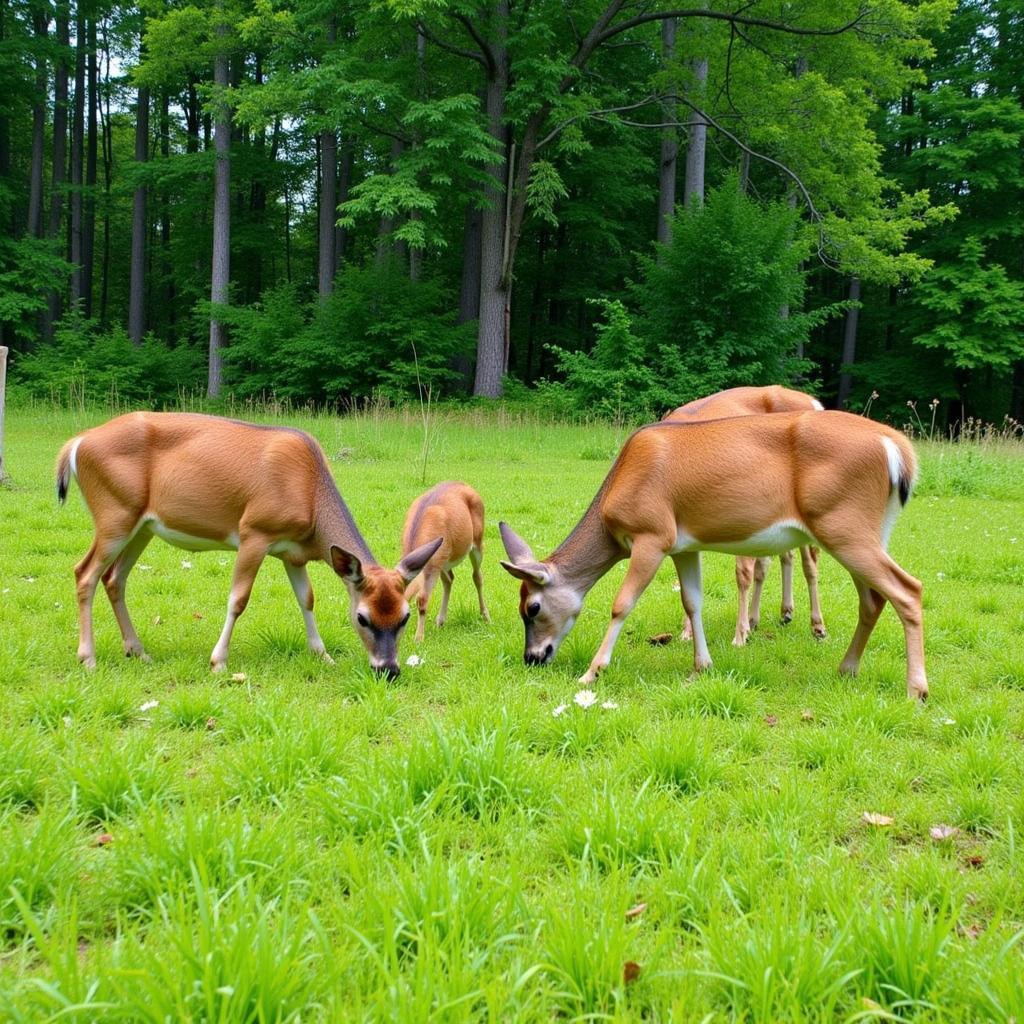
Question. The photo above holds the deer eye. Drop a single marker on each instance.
(362, 620)
(533, 610)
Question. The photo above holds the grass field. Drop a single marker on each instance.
(305, 841)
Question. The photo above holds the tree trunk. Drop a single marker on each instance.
(696, 149)
(137, 286)
(41, 21)
(166, 270)
(221, 269)
(89, 199)
(386, 225)
(491, 345)
(849, 344)
(107, 140)
(77, 150)
(327, 260)
(669, 142)
(60, 145)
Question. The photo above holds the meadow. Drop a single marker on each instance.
(292, 840)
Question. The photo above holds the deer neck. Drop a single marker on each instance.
(588, 552)
(335, 526)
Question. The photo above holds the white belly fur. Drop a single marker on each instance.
(773, 540)
(189, 542)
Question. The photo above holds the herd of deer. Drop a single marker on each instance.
(753, 472)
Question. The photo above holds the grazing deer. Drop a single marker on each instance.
(755, 485)
(455, 513)
(753, 402)
(204, 483)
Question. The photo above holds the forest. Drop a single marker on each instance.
(603, 207)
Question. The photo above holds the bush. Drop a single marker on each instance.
(84, 364)
(367, 337)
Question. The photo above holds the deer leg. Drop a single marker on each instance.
(100, 556)
(809, 560)
(251, 552)
(427, 581)
(786, 561)
(476, 556)
(880, 579)
(115, 580)
(447, 579)
(646, 556)
(760, 569)
(692, 593)
(298, 577)
(744, 577)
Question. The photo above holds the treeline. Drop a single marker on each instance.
(616, 205)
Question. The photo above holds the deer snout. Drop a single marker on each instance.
(539, 655)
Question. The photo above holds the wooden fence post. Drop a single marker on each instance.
(3, 393)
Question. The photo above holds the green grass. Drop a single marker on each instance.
(312, 842)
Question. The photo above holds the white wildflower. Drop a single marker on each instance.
(610, 705)
(940, 575)
(149, 705)
(144, 568)
(238, 677)
(186, 565)
(560, 710)
(414, 660)
(949, 721)
(585, 699)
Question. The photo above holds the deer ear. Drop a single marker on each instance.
(410, 566)
(347, 566)
(531, 572)
(518, 550)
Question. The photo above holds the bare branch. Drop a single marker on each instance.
(451, 47)
(485, 48)
(597, 114)
(734, 18)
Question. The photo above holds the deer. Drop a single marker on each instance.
(454, 512)
(208, 483)
(752, 485)
(751, 401)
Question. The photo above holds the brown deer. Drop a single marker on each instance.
(455, 513)
(753, 402)
(206, 483)
(754, 485)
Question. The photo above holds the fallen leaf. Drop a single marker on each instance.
(876, 819)
(976, 860)
(807, 715)
(157, 620)
(771, 721)
(942, 832)
(197, 615)
(104, 839)
(238, 677)
(635, 911)
(659, 639)
(630, 971)
(211, 723)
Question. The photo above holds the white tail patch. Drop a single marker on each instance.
(73, 457)
(892, 509)
(817, 405)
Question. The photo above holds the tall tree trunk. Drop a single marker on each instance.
(41, 22)
(221, 269)
(495, 289)
(166, 272)
(849, 344)
(137, 285)
(60, 145)
(5, 143)
(344, 184)
(89, 200)
(669, 142)
(77, 151)
(327, 257)
(107, 139)
(386, 225)
(697, 146)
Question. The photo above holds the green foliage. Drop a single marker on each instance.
(87, 364)
(378, 332)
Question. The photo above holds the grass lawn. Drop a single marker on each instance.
(300, 840)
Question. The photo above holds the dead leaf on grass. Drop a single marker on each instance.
(876, 819)
(630, 971)
(635, 911)
(659, 639)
